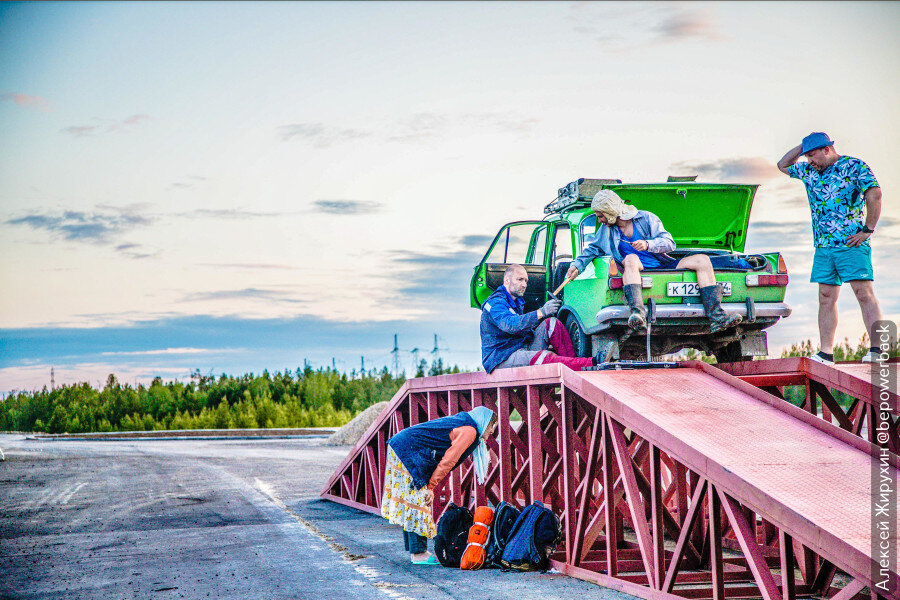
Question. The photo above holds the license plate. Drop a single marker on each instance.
(686, 288)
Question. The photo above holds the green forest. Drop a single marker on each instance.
(303, 398)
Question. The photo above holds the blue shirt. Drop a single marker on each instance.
(648, 259)
(836, 199)
(606, 240)
(505, 327)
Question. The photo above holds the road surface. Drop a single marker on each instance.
(216, 519)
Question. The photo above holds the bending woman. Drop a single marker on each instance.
(418, 460)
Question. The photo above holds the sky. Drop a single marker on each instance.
(232, 187)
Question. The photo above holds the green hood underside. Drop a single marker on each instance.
(698, 215)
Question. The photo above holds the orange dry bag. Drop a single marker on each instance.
(473, 557)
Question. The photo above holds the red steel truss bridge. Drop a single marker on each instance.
(696, 482)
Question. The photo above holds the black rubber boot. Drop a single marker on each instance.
(711, 296)
(635, 300)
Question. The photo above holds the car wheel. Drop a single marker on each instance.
(580, 340)
(731, 353)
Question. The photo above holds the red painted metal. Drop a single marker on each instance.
(677, 483)
(820, 381)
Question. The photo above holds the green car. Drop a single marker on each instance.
(702, 218)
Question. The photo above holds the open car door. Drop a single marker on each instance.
(523, 243)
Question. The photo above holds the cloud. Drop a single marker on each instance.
(646, 24)
(347, 207)
(135, 119)
(427, 126)
(231, 345)
(226, 213)
(262, 266)
(193, 180)
(245, 294)
(781, 236)
(747, 168)
(26, 101)
(98, 227)
(135, 251)
(501, 122)
(416, 128)
(103, 125)
(80, 130)
(684, 24)
(167, 351)
(478, 242)
(319, 134)
(438, 280)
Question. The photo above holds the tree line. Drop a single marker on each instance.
(302, 398)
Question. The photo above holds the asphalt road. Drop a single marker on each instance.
(212, 519)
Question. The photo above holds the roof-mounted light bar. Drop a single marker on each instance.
(681, 178)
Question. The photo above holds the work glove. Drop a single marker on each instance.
(550, 307)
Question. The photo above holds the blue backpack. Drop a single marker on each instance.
(505, 516)
(533, 539)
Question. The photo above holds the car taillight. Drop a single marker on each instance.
(613, 268)
(616, 283)
(757, 280)
(782, 267)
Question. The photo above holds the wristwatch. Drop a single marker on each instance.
(867, 230)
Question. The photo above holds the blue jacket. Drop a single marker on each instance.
(421, 447)
(606, 240)
(505, 327)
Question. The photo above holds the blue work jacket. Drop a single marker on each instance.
(421, 447)
(505, 327)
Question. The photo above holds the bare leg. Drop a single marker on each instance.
(701, 264)
(868, 304)
(828, 295)
(633, 268)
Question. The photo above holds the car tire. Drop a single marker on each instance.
(730, 353)
(580, 339)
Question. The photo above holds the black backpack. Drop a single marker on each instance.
(534, 537)
(452, 535)
(505, 516)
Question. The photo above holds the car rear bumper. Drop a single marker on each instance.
(763, 310)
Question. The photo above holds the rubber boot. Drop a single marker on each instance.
(711, 296)
(635, 300)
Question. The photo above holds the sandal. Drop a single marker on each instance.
(431, 560)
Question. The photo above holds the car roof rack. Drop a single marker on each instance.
(578, 192)
(681, 178)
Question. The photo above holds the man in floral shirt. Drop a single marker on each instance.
(838, 188)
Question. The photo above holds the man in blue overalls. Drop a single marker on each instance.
(637, 240)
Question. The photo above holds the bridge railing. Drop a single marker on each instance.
(640, 511)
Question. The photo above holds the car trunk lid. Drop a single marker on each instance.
(698, 215)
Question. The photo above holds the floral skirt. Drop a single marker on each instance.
(403, 505)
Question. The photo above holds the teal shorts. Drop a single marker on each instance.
(834, 266)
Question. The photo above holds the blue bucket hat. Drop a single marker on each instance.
(814, 141)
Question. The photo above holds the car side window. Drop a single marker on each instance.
(522, 243)
(588, 230)
(562, 243)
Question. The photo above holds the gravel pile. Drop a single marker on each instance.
(350, 433)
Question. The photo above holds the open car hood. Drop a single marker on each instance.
(698, 215)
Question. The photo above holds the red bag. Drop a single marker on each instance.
(473, 557)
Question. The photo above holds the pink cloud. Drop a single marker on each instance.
(33, 102)
(135, 119)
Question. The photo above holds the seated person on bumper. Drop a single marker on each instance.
(637, 241)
